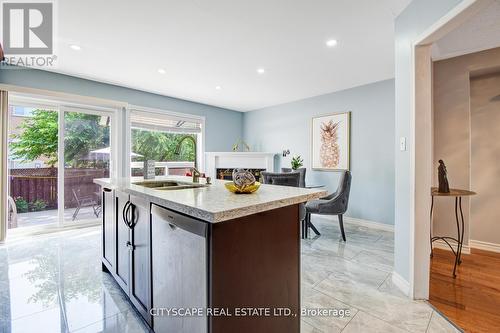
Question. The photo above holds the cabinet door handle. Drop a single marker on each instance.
(133, 221)
(125, 213)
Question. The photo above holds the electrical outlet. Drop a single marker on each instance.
(402, 143)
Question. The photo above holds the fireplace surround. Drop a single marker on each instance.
(221, 164)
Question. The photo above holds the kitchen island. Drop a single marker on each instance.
(197, 258)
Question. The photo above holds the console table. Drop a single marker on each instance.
(457, 194)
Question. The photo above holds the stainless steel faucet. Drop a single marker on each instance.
(194, 171)
(196, 175)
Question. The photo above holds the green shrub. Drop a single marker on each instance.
(38, 205)
(21, 205)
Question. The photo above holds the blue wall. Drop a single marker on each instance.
(288, 126)
(413, 21)
(223, 127)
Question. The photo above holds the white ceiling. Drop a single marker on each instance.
(481, 32)
(202, 44)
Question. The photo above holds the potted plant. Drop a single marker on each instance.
(297, 162)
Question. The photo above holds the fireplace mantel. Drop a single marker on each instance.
(233, 160)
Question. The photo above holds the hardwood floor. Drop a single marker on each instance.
(472, 300)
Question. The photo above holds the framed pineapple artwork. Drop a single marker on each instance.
(331, 141)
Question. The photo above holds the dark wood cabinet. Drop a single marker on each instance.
(127, 246)
(108, 230)
(165, 257)
(122, 241)
(140, 256)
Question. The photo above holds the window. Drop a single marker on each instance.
(172, 141)
(21, 111)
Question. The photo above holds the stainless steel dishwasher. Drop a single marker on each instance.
(179, 270)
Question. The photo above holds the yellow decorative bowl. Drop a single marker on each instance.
(246, 190)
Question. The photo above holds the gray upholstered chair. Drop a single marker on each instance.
(334, 204)
(285, 179)
(302, 182)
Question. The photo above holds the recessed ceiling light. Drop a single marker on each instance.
(261, 70)
(331, 42)
(161, 71)
(218, 88)
(75, 47)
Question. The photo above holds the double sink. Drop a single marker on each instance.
(167, 185)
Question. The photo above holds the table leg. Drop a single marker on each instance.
(463, 231)
(309, 225)
(314, 228)
(308, 218)
(303, 227)
(459, 239)
(430, 231)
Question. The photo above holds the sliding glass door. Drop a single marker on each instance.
(87, 156)
(55, 152)
(32, 165)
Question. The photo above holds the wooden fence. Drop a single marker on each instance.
(41, 184)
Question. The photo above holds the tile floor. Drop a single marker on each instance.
(54, 283)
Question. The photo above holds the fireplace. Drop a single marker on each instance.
(227, 174)
(220, 165)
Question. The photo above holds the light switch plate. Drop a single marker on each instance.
(402, 143)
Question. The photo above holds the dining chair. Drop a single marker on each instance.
(285, 179)
(334, 204)
(302, 182)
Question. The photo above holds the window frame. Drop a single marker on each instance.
(61, 107)
(200, 139)
(14, 114)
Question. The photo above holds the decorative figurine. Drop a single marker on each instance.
(243, 178)
(444, 187)
(241, 144)
(243, 182)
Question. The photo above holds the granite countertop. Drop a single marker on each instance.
(214, 203)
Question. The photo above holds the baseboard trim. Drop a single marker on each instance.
(401, 283)
(485, 246)
(360, 222)
(369, 223)
(440, 244)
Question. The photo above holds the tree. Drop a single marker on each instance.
(160, 146)
(83, 133)
(39, 137)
